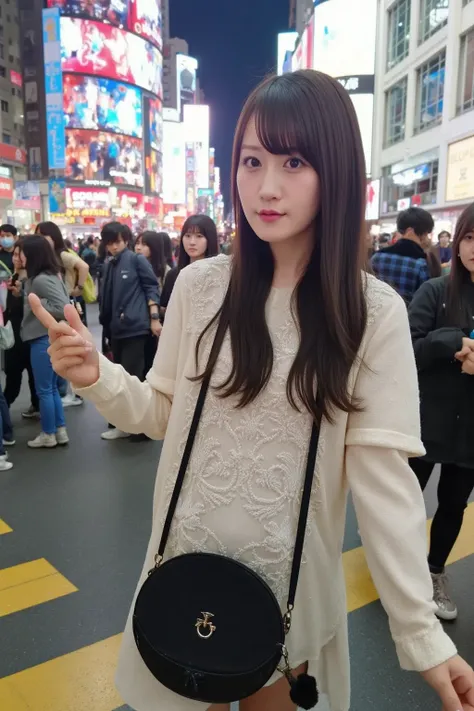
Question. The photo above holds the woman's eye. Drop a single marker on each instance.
(295, 163)
(251, 162)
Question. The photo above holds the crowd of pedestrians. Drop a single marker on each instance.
(441, 316)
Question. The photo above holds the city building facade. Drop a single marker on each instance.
(423, 137)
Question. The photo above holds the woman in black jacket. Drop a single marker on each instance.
(442, 327)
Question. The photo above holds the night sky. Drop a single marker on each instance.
(235, 42)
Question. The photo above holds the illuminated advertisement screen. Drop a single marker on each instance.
(286, 46)
(145, 20)
(156, 124)
(154, 173)
(140, 16)
(97, 157)
(113, 11)
(89, 47)
(186, 73)
(174, 163)
(196, 131)
(102, 104)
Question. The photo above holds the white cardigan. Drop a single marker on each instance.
(242, 491)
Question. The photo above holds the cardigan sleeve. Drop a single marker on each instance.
(386, 388)
(387, 496)
(143, 407)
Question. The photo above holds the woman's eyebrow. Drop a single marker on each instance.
(251, 148)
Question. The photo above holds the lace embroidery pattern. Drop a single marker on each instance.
(242, 492)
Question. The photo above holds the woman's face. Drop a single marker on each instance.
(142, 248)
(195, 245)
(466, 252)
(444, 239)
(280, 195)
(17, 263)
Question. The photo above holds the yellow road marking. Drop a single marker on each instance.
(84, 679)
(4, 528)
(75, 682)
(31, 584)
(361, 590)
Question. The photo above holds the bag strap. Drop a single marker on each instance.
(304, 508)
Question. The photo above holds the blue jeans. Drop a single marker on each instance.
(62, 386)
(46, 382)
(6, 428)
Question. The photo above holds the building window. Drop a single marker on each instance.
(3, 71)
(398, 32)
(2, 52)
(466, 74)
(6, 138)
(395, 112)
(1, 31)
(11, 58)
(433, 16)
(430, 92)
(4, 106)
(419, 185)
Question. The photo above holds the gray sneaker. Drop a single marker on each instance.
(447, 609)
(62, 436)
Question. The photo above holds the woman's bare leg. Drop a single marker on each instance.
(272, 698)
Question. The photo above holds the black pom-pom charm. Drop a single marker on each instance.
(304, 691)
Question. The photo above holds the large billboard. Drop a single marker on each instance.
(154, 173)
(303, 54)
(53, 88)
(155, 124)
(186, 72)
(98, 158)
(460, 175)
(140, 16)
(89, 47)
(344, 47)
(102, 104)
(174, 163)
(196, 130)
(286, 46)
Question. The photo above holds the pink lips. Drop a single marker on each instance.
(270, 215)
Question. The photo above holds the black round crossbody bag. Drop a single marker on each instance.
(208, 627)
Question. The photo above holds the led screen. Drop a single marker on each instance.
(114, 11)
(145, 20)
(154, 173)
(104, 104)
(140, 16)
(89, 47)
(156, 124)
(98, 156)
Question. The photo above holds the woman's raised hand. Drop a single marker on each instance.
(72, 350)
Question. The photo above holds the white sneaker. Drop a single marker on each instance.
(9, 442)
(43, 440)
(71, 400)
(62, 436)
(5, 465)
(114, 434)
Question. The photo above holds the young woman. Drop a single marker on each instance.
(301, 336)
(76, 272)
(442, 327)
(45, 281)
(17, 359)
(152, 246)
(199, 240)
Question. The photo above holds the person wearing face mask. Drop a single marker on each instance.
(442, 328)
(199, 240)
(260, 355)
(8, 237)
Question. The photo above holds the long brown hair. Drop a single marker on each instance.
(457, 309)
(309, 113)
(205, 226)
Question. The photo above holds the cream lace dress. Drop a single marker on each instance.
(243, 487)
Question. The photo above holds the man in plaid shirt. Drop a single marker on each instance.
(404, 265)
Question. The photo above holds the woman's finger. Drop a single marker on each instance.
(66, 341)
(63, 365)
(41, 314)
(59, 356)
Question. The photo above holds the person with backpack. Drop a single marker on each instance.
(129, 305)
